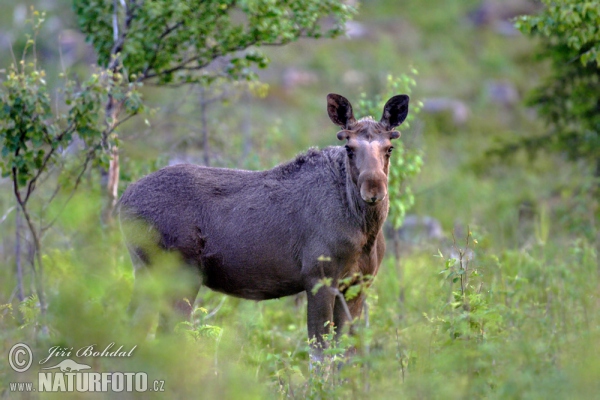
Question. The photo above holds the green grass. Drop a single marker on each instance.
(527, 329)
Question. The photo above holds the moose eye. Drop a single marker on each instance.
(349, 151)
(389, 151)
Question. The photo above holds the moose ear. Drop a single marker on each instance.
(395, 111)
(340, 110)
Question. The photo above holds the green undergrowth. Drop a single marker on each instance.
(465, 321)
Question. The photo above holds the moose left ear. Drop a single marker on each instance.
(395, 111)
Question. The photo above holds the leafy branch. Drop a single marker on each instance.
(182, 42)
(35, 141)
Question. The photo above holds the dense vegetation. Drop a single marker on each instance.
(503, 305)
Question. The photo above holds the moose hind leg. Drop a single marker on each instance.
(164, 286)
(143, 306)
(178, 303)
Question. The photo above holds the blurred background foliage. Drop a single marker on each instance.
(491, 286)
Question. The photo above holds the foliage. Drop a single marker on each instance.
(467, 313)
(33, 136)
(171, 40)
(39, 144)
(405, 162)
(568, 26)
(36, 137)
(181, 42)
(570, 97)
(524, 326)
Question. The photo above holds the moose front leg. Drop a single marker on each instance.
(350, 310)
(319, 318)
(346, 311)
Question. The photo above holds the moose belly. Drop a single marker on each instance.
(254, 278)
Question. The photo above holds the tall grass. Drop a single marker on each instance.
(513, 323)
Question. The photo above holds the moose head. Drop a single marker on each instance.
(368, 143)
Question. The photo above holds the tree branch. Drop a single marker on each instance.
(38, 275)
(184, 65)
(6, 214)
(89, 157)
(42, 168)
(158, 46)
(115, 21)
(119, 38)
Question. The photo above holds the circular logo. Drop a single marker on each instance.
(20, 357)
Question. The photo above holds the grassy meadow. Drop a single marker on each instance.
(504, 306)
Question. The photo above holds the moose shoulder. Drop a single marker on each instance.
(267, 234)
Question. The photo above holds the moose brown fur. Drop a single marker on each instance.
(268, 234)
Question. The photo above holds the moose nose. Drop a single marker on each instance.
(373, 187)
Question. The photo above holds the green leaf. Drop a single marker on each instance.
(352, 292)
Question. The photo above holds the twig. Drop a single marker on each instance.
(12, 52)
(6, 214)
(214, 312)
(340, 296)
(121, 121)
(89, 157)
(10, 299)
(157, 49)
(42, 168)
(400, 355)
(62, 63)
(52, 196)
(115, 21)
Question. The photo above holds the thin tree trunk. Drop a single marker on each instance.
(112, 176)
(38, 270)
(37, 264)
(39, 279)
(204, 125)
(112, 110)
(399, 265)
(112, 186)
(596, 195)
(18, 233)
(246, 129)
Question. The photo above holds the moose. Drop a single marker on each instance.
(267, 234)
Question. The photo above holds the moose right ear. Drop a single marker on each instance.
(343, 134)
(340, 110)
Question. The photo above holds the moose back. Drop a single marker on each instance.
(268, 234)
